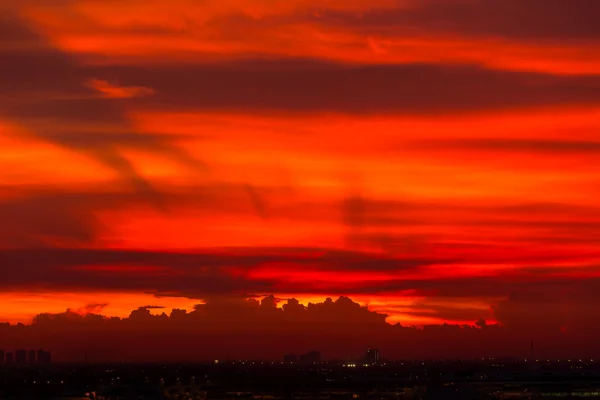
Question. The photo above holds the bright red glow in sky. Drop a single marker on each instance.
(426, 158)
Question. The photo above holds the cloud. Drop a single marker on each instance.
(219, 271)
(312, 86)
(449, 313)
(192, 274)
(41, 81)
(551, 147)
(542, 21)
(426, 251)
(89, 309)
(252, 271)
(532, 35)
(42, 215)
(533, 20)
(237, 321)
(56, 99)
(567, 308)
(40, 221)
(251, 329)
(106, 89)
(501, 286)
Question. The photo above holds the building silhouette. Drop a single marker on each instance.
(21, 357)
(372, 356)
(24, 357)
(310, 358)
(31, 359)
(290, 358)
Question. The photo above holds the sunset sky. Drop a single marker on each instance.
(431, 159)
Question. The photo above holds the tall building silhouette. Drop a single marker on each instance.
(290, 358)
(1, 357)
(372, 356)
(9, 359)
(21, 357)
(31, 359)
(40, 355)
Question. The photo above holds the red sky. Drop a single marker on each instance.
(431, 159)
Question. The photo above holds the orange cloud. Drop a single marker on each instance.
(454, 157)
(118, 92)
(184, 31)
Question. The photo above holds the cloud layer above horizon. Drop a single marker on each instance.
(432, 160)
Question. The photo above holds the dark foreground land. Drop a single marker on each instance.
(481, 379)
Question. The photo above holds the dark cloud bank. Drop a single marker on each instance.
(544, 21)
(43, 82)
(249, 329)
(312, 86)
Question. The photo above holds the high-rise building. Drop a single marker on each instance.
(31, 357)
(1, 357)
(40, 355)
(372, 356)
(8, 360)
(290, 358)
(21, 357)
